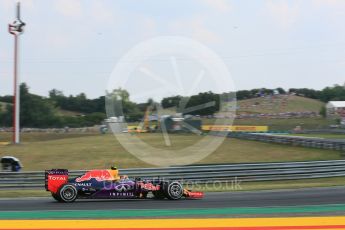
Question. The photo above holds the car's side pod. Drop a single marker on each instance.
(54, 178)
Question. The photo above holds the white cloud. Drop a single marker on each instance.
(69, 8)
(196, 29)
(149, 27)
(57, 40)
(219, 5)
(200, 32)
(329, 3)
(283, 12)
(335, 8)
(101, 13)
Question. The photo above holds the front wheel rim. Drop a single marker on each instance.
(176, 190)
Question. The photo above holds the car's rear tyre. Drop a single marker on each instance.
(159, 195)
(143, 195)
(173, 190)
(68, 193)
(56, 197)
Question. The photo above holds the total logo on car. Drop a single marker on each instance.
(56, 177)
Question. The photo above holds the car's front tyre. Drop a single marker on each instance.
(173, 190)
(67, 193)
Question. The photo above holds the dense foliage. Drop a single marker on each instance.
(38, 111)
(41, 112)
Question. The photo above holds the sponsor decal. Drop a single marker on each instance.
(149, 186)
(233, 128)
(53, 182)
(123, 187)
(83, 184)
(57, 172)
(121, 194)
(99, 175)
(56, 178)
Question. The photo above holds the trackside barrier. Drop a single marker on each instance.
(311, 142)
(201, 174)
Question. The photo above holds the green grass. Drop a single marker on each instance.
(35, 137)
(40, 151)
(23, 193)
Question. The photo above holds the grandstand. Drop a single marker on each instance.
(278, 106)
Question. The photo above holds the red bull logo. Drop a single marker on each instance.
(99, 175)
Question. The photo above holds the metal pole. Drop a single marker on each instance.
(16, 28)
(16, 97)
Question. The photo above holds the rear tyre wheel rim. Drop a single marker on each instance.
(68, 193)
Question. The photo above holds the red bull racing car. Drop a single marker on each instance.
(103, 184)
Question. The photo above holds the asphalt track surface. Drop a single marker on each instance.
(278, 198)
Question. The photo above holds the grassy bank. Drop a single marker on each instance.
(82, 151)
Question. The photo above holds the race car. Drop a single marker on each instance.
(107, 184)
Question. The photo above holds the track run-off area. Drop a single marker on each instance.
(314, 208)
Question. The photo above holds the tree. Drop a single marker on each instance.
(35, 111)
(202, 104)
(118, 94)
(169, 102)
(281, 90)
(54, 93)
(304, 92)
(336, 93)
(122, 106)
(323, 111)
(243, 94)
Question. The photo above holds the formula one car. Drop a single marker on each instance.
(103, 184)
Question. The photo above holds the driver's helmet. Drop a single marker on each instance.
(115, 172)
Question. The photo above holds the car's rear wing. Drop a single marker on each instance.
(54, 178)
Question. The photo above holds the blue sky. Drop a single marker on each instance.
(73, 45)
